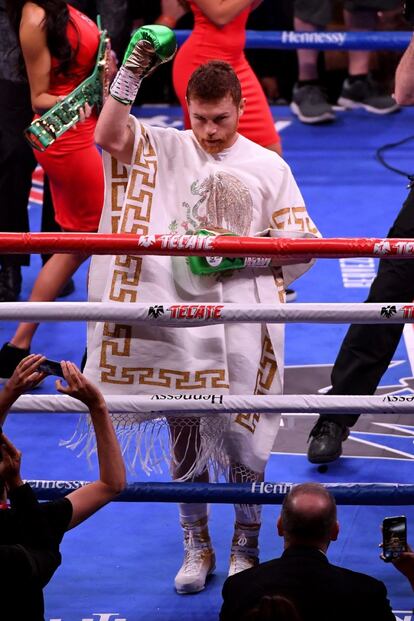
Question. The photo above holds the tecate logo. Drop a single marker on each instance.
(195, 311)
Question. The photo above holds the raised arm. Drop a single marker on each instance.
(404, 77)
(112, 479)
(114, 131)
(221, 12)
(36, 56)
(149, 47)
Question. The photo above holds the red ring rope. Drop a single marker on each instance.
(186, 245)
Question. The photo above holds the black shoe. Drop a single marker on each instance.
(366, 94)
(67, 289)
(10, 283)
(10, 357)
(326, 440)
(311, 105)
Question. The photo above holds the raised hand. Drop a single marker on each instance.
(79, 387)
(26, 375)
(149, 47)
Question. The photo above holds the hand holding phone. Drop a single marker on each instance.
(51, 367)
(394, 537)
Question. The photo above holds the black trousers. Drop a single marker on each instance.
(367, 350)
(17, 164)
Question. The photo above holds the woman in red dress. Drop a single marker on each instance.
(220, 33)
(59, 46)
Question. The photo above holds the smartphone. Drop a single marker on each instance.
(394, 537)
(51, 367)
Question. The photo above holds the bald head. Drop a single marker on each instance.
(309, 516)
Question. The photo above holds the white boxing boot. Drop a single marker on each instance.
(199, 558)
(244, 549)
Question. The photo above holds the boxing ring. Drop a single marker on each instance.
(350, 495)
(185, 315)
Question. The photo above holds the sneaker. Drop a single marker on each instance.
(10, 283)
(244, 549)
(310, 104)
(366, 94)
(326, 439)
(199, 558)
(10, 356)
(291, 295)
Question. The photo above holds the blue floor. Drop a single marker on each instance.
(120, 565)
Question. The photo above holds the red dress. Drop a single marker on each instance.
(211, 42)
(72, 162)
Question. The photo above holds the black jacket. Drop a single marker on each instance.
(30, 534)
(320, 590)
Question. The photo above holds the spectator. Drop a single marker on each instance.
(309, 101)
(308, 524)
(30, 532)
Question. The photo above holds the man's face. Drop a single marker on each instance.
(215, 123)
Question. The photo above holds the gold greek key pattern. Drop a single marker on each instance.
(118, 188)
(265, 376)
(125, 282)
(264, 380)
(267, 368)
(296, 217)
(130, 214)
(248, 421)
(162, 378)
(116, 341)
(279, 283)
(183, 380)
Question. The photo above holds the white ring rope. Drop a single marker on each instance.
(185, 315)
(204, 404)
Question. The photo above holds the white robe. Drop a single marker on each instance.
(174, 186)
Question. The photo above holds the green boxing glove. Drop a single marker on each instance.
(205, 266)
(149, 47)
